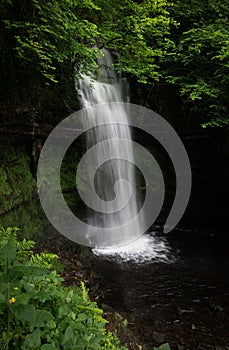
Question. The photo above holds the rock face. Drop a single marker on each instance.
(17, 185)
(21, 141)
(19, 202)
(207, 149)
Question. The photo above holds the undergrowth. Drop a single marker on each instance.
(37, 312)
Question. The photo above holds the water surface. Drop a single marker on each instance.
(184, 300)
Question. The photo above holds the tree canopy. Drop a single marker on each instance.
(184, 44)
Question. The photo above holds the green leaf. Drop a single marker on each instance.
(163, 347)
(4, 336)
(68, 335)
(22, 270)
(25, 313)
(63, 310)
(42, 316)
(82, 317)
(2, 298)
(8, 253)
(48, 347)
(51, 324)
(33, 340)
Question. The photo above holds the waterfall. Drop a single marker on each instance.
(115, 180)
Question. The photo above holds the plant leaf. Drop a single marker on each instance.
(68, 335)
(42, 316)
(48, 347)
(8, 253)
(25, 313)
(33, 340)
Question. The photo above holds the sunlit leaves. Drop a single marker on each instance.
(138, 34)
(53, 33)
(199, 60)
(182, 43)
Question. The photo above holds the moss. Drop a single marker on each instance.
(18, 190)
(17, 187)
(27, 217)
(5, 189)
(17, 183)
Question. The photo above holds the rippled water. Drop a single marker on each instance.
(184, 301)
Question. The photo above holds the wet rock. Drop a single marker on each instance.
(183, 311)
(79, 264)
(205, 347)
(181, 347)
(117, 324)
(158, 337)
(215, 307)
(108, 308)
(176, 322)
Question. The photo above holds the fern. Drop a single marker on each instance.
(25, 245)
(84, 291)
(8, 235)
(44, 260)
(24, 249)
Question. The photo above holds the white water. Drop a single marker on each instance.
(145, 249)
(129, 245)
(120, 203)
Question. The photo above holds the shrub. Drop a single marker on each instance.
(37, 312)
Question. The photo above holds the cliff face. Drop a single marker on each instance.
(208, 151)
(17, 185)
(19, 203)
(22, 136)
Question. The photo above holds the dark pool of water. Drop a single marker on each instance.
(185, 303)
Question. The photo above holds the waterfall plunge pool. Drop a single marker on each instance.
(182, 300)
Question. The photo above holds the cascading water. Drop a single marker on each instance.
(119, 206)
(115, 180)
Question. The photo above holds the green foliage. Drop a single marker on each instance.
(4, 186)
(18, 187)
(39, 312)
(138, 31)
(199, 59)
(16, 180)
(184, 44)
(47, 33)
(47, 261)
(163, 347)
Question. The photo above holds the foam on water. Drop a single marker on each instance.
(147, 248)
